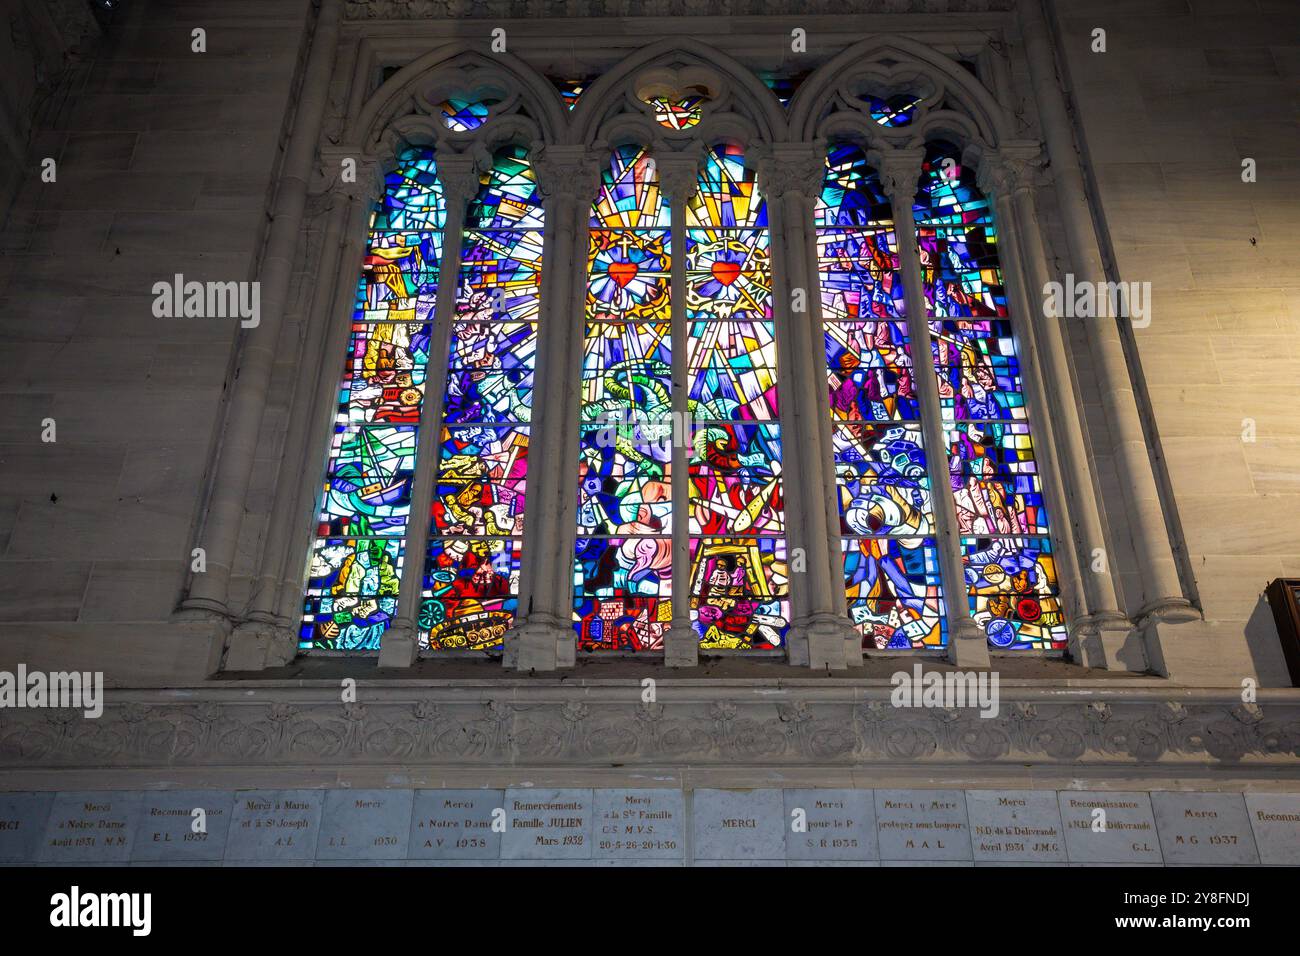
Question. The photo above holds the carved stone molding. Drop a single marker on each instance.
(726, 724)
(522, 9)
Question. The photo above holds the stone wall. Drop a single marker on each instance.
(165, 158)
(1186, 90)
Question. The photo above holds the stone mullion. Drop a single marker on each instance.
(544, 638)
(678, 178)
(400, 644)
(900, 170)
(219, 536)
(823, 636)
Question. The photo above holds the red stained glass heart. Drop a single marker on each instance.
(726, 272)
(622, 272)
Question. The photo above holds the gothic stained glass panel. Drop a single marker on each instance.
(897, 110)
(993, 476)
(628, 275)
(732, 369)
(675, 113)
(461, 115)
(740, 590)
(470, 591)
(351, 592)
(355, 565)
(383, 382)
(739, 586)
(1014, 594)
(471, 572)
(622, 574)
(727, 195)
(891, 575)
(894, 592)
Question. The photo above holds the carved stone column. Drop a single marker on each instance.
(459, 175)
(900, 171)
(1100, 636)
(822, 637)
(678, 180)
(219, 535)
(543, 637)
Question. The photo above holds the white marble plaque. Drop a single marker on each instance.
(1275, 818)
(636, 825)
(921, 825)
(456, 825)
(90, 828)
(365, 825)
(1204, 828)
(547, 825)
(1126, 833)
(739, 825)
(830, 825)
(169, 830)
(1015, 826)
(279, 826)
(22, 824)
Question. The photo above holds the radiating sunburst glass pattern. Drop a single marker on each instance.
(993, 473)
(356, 560)
(471, 569)
(891, 567)
(623, 561)
(739, 576)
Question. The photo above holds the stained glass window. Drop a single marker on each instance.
(739, 580)
(784, 83)
(624, 555)
(462, 115)
(571, 88)
(897, 110)
(1009, 563)
(471, 572)
(677, 112)
(356, 560)
(891, 566)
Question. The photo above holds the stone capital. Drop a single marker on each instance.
(1011, 169)
(798, 168)
(460, 176)
(567, 173)
(348, 173)
(678, 171)
(900, 172)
